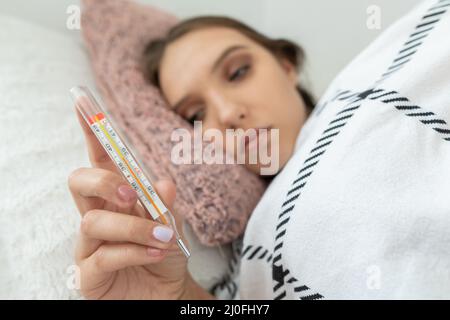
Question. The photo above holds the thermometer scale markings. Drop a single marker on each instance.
(120, 159)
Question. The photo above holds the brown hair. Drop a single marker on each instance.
(281, 48)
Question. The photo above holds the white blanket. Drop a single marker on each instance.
(362, 209)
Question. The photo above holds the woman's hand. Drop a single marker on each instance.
(121, 252)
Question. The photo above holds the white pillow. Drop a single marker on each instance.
(44, 143)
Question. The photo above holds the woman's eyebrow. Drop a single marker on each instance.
(219, 60)
(224, 54)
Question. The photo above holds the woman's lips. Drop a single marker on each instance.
(251, 141)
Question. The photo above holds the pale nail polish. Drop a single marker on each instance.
(154, 252)
(162, 233)
(126, 193)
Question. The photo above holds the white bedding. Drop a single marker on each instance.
(362, 208)
(38, 220)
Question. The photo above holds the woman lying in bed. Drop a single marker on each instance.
(331, 224)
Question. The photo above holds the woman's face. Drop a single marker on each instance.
(219, 76)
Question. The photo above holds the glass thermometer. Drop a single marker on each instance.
(121, 155)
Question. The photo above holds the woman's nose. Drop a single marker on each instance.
(231, 116)
(229, 113)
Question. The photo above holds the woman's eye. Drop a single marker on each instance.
(198, 116)
(239, 73)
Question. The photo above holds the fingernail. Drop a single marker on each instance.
(162, 233)
(126, 193)
(154, 252)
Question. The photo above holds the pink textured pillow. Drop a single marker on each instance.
(216, 200)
